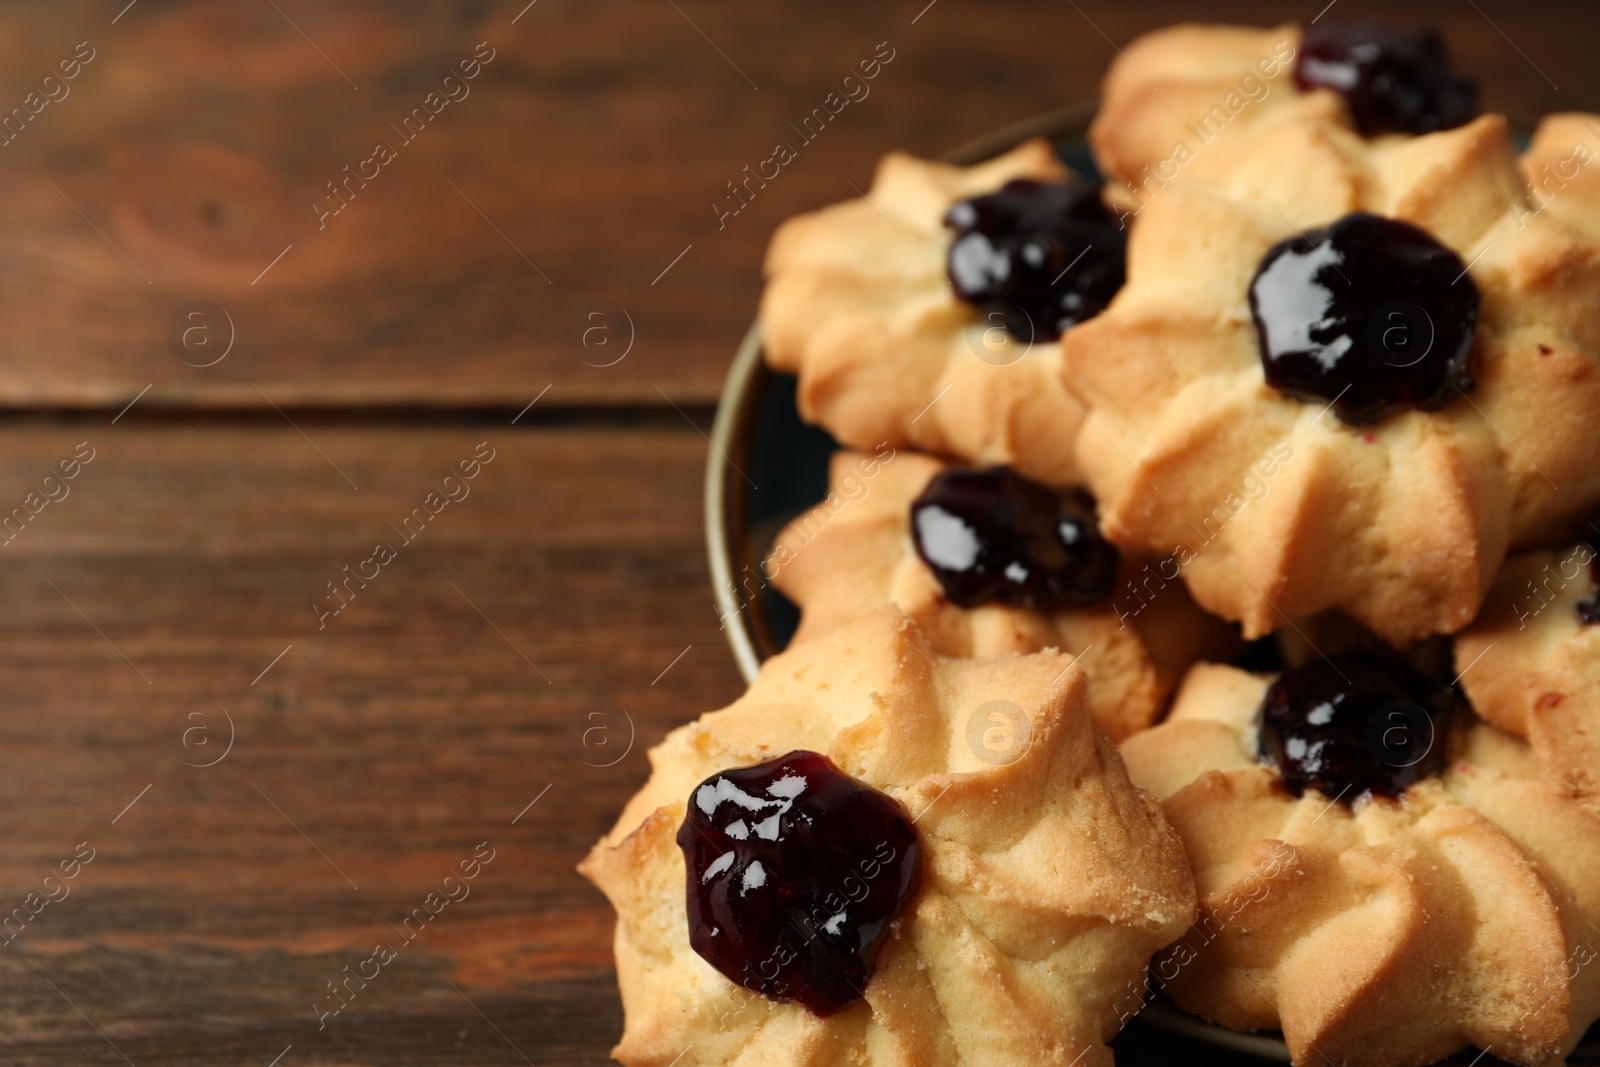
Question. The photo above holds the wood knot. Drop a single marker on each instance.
(201, 209)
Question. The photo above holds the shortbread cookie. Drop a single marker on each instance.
(1003, 902)
(1173, 94)
(1177, 102)
(1382, 886)
(1350, 375)
(1562, 167)
(1037, 576)
(1531, 662)
(920, 316)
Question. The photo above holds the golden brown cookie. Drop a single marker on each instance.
(1047, 879)
(1531, 663)
(852, 558)
(1562, 167)
(1276, 507)
(1390, 934)
(857, 304)
(1174, 96)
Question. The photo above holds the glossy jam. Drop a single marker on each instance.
(795, 873)
(1356, 725)
(1370, 314)
(1392, 80)
(1037, 257)
(993, 536)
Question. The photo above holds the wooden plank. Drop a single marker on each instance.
(376, 753)
(585, 161)
(228, 886)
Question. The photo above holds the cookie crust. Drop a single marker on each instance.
(852, 559)
(1048, 880)
(858, 306)
(1391, 935)
(1278, 508)
(1531, 665)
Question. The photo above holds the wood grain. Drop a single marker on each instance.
(509, 652)
(398, 738)
(586, 158)
(505, 656)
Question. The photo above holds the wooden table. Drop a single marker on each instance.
(268, 788)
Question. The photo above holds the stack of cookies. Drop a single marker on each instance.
(1212, 611)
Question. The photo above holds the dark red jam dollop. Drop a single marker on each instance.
(1370, 314)
(796, 872)
(1392, 80)
(994, 536)
(1359, 724)
(1037, 257)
